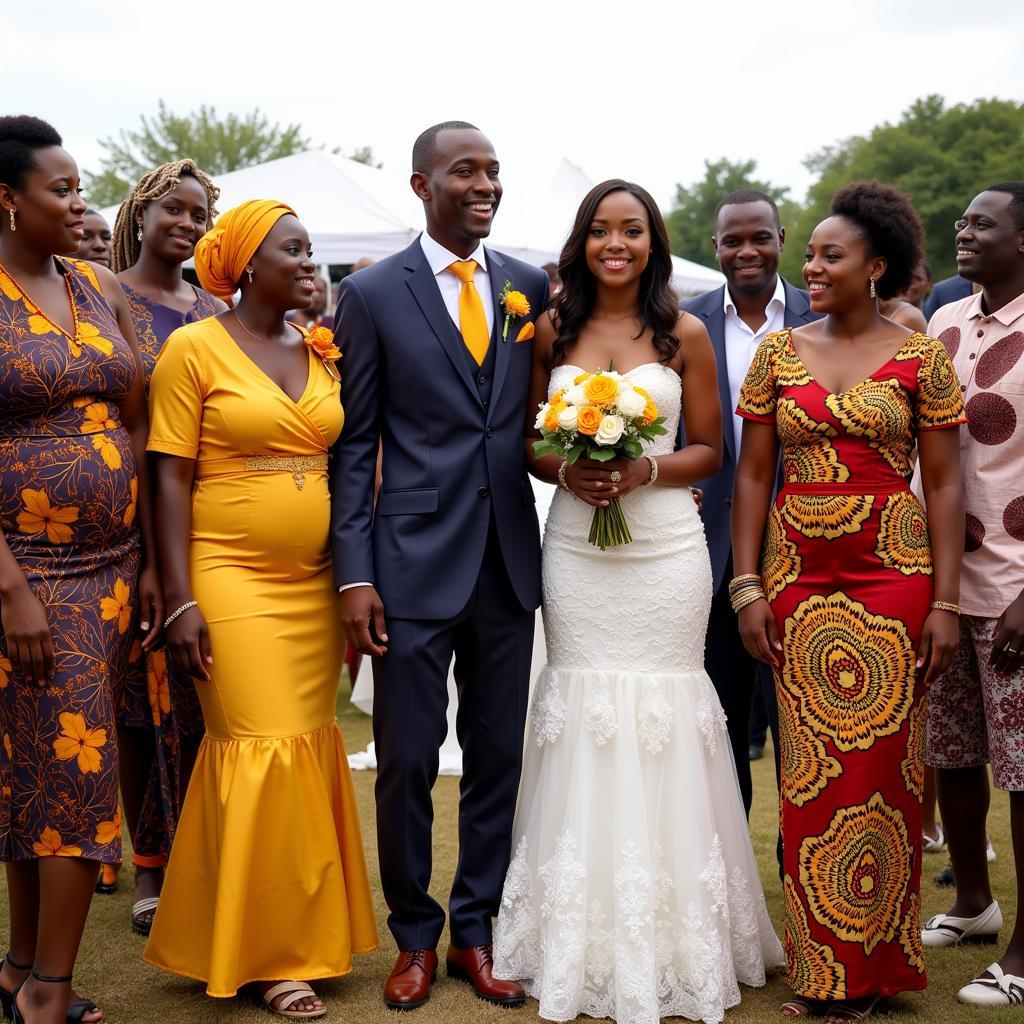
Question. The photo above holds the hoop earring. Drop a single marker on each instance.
(248, 270)
(871, 288)
(14, 227)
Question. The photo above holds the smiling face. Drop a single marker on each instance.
(838, 266)
(619, 239)
(461, 189)
(49, 209)
(989, 240)
(96, 245)
(283, 271)
(748, 241)
(172, 224)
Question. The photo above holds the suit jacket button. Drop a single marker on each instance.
(490, 431)
(483, 492)
(728, 501)
(486, 404)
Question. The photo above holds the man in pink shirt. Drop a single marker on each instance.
(976, 708)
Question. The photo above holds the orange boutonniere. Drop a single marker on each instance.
(515, 304)
(321, 341)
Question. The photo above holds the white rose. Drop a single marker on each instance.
(610, 430)
(567, 418)
(576, 395)
(631, 403)
(539, 422)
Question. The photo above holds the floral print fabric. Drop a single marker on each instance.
(68, 494)
(846, 565)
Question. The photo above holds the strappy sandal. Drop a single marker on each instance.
(293, 992)
(76, 1010)
(845, 1012)
(139, 924)
(5, 996)
(799, 1006)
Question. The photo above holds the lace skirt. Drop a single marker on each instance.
(633, 891)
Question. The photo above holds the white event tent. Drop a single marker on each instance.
(353, 211)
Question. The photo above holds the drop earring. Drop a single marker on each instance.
(14, 227)
(248, 270)
(871, 288)
(138, 234)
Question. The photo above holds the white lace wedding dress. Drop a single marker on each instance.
(633, 892)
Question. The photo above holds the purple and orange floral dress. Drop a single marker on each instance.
(68, 490)
(157, 695)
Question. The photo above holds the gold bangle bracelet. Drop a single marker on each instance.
(947, 606)
(742, 600)
(746, 577)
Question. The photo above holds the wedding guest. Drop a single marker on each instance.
(974, 709)
(754, 302)
(73, 498)
(96, 246)
(906, 314)
(951, 289)
(839, 588)
(554, 279)
(266, 878)
(159, 722)
(920, 285)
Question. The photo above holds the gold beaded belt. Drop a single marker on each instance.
(297, 465)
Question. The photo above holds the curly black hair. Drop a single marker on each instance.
(20, 135)
(889, 223)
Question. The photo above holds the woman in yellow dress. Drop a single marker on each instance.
(266, 880)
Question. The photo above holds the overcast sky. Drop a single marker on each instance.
(642, 89)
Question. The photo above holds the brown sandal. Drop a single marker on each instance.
(799, 1006)
(846, 1011)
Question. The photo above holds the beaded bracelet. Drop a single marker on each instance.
(561, 476)
(947, 606)
(654, 470)
(178, 611)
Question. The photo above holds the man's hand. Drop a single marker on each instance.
(1008, 640)
(362, 619)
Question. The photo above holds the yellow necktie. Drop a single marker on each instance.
(472, 318)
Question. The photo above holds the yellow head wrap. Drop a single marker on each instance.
(223, 253)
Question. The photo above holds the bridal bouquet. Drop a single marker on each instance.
(602, 416)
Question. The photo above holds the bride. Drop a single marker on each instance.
(633, 892)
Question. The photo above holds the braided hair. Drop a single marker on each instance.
(153, 185)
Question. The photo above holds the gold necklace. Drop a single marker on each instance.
(36, 308)
(256, 337)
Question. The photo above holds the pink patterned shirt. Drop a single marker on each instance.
(987, 354)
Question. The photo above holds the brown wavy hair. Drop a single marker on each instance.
(657, 306)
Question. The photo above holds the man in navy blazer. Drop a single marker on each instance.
(451, 552)
(753, 302)
(951, 289)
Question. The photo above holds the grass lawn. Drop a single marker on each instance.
(111, 971)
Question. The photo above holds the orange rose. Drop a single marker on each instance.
(551, 420)
(589, 420)
(581, 377)
(650, 412)
(321, 341)
(516, 304)
(601, 390)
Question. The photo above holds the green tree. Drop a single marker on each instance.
(216, 144)
(364, 155)
(691, 222)
(940, 156)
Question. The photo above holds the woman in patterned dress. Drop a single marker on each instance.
(160, 722)
(858, 610)
(73, 498)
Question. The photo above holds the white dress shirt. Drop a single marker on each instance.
(440, 259)
(741, 344)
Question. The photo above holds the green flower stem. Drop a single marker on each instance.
(608, 528)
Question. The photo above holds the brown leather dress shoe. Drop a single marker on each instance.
(474, 965)
(408, 984)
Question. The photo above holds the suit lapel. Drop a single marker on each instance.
(428, 297)
(503, 351)
(797, 307)
(713, 314)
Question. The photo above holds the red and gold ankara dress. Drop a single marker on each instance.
(847, 568)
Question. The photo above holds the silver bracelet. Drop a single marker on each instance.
(179, 611)
(561, 475)
(654, 470)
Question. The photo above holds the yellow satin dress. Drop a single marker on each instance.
(267, 878)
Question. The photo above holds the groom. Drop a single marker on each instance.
(436, 367)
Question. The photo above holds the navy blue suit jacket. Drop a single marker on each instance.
(717, 503)
(451, 464)
(949, 290)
